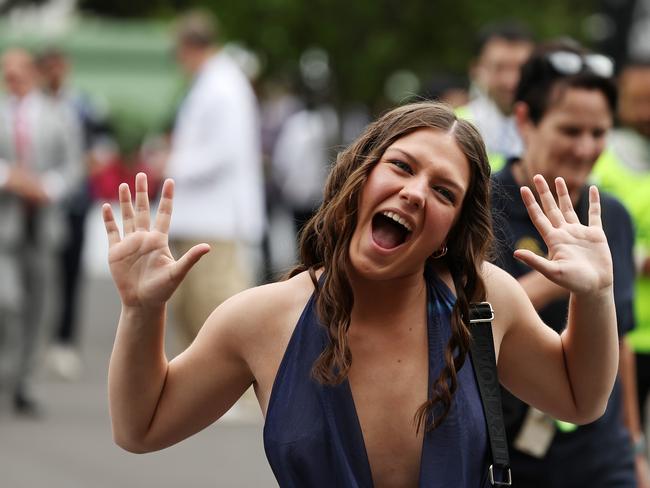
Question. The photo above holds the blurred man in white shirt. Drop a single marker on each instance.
(216, 163)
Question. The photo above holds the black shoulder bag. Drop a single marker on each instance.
(485, 370)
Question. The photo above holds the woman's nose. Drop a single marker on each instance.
(414, 192)
(588, 147)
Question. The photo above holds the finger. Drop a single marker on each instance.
(189, 259)
(594, 207)
(142, 218)
(537, 262)
(564, 200)
(164, 215)
(551, 209)
(537, 217)
(112, 231)
(126, 207)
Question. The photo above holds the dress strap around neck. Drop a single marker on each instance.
(314, 279)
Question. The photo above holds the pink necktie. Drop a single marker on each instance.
(21, 133)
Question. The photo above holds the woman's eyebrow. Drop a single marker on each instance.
(406, 154)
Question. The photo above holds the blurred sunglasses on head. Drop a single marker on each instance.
(570, 63)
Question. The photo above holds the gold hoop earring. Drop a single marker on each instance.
(439, 253)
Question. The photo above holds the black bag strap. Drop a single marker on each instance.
(485, 370)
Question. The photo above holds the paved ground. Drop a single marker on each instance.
(71, 447)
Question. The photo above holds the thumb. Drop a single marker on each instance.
(536, 262)
(189, 259)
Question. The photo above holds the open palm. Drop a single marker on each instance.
(143, 268)
(579, 258)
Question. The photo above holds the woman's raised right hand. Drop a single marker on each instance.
(143, 268)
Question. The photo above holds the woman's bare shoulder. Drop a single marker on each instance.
(498, 282)
(509, 300)
(272, 297)
(256, 324)
(264, 307)
(502, 290)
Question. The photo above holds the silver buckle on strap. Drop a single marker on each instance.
(483, 305)
(494, 482)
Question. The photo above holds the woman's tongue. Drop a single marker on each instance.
(386, 233)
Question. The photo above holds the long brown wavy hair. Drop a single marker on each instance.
(325, 241)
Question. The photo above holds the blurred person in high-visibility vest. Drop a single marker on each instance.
(501, 49)
(216, 163)
(39, 165)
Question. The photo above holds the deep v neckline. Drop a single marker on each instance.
(312, 433)
(346, 389)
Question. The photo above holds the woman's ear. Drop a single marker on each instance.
(521, 113)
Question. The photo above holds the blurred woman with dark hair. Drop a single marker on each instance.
(564, 107)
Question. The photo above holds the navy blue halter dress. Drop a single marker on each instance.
(312, 434)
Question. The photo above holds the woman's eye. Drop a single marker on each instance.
(403, 166)
(447, 194)
(571, 131)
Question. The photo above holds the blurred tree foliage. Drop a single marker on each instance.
(366, 40)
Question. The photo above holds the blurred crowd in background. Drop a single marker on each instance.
(248, 136)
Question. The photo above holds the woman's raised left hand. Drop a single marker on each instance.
(578, 258)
